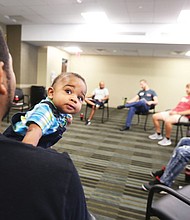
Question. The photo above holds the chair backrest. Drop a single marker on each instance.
(173, 206)
(37, 93)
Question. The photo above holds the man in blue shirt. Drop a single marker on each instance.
(142, 102)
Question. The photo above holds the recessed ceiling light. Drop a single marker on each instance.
(95, 17)
(73, 49)
(187, 54)
(184, 17)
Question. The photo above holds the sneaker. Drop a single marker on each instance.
(120, 106)
(150, 184)
(158, 173)
(88, 122)
(165, 142)
(155, 136)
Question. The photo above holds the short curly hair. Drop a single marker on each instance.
(68, 74)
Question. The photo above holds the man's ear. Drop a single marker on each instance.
(3, 89)
(50, 92)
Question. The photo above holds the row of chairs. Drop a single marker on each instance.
(179, 124)
(23, 102)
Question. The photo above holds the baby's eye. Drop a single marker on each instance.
(68, 91)
(81, 99)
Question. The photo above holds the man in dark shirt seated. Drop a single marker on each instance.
(142, 102)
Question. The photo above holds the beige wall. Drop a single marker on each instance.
(167, 77)
(49, 63)
(28, 64)
(54, 63)
(42, 66)
(3, 28)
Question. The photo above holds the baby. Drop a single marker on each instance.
(45, 123)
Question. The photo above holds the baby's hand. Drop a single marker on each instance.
(69, 119)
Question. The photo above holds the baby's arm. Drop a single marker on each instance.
(33, 134)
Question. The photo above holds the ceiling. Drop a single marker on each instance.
(142, 21)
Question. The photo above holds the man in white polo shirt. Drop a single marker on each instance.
(98, 97)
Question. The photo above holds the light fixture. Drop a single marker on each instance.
(10, 18)
(184, 17)
(73, 49)
(187, 53)
(95, 18)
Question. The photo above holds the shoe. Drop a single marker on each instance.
(165, 142)
(158, 173)
(120, 106)
(150, 184)
(124, 129)
(155, 136)
(88, 122)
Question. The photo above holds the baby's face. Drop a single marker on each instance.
(68, 94)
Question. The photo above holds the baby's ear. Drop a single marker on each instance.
(50, 92)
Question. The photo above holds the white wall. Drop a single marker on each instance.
(54, 63)
(167, 77)
(50, 61)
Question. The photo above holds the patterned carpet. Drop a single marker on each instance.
(113, 165)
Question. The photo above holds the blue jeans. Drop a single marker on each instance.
(180, 157)
(134, 107)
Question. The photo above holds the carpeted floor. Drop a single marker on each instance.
(113, 165)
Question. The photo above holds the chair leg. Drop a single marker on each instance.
(103, 114)
(108, 112)
(85, 115)
(145, 123)
(162, 129)
(177, 134)
(181, 130)
(138, 119)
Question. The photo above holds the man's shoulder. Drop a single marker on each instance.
(29, 152)
(152, 91)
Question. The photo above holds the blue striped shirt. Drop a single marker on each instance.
(43, 116)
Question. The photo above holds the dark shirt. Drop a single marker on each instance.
(38, 184)
(148, 94)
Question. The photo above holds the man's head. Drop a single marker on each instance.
(143, 84)
(7, 78)
(188, 89)
(68, 92)
(101, 85)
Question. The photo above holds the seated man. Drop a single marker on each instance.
(140, 103)
(96, 100)
(171, 117)
(176, 164)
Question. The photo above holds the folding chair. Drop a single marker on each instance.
(146, 114)
(21, 101)
(104, 108)
(173, 206)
